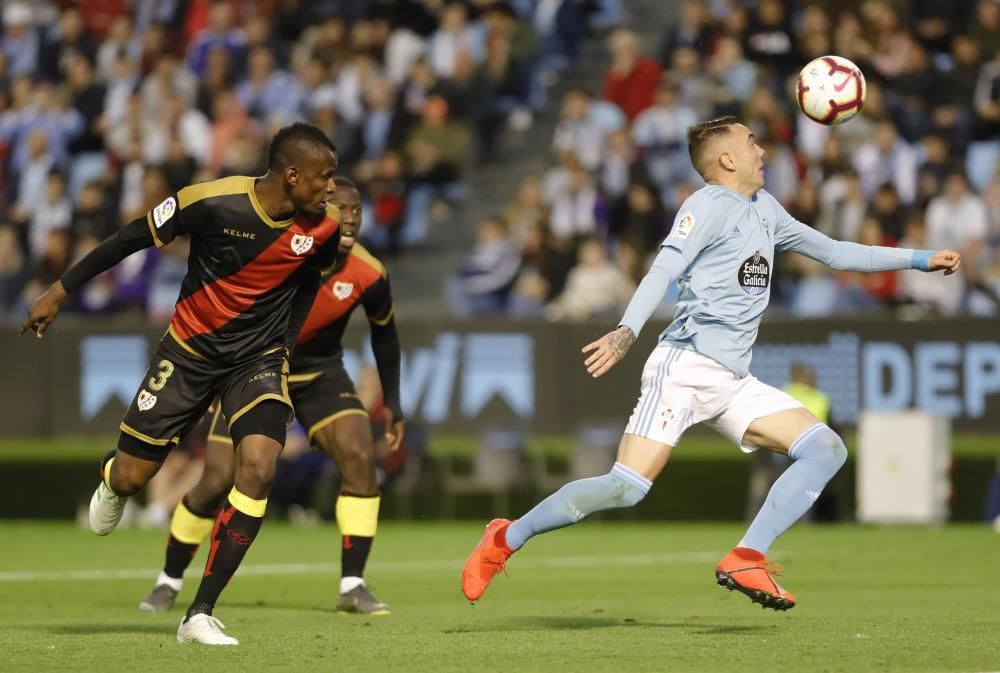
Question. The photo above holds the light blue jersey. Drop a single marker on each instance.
(721, 252)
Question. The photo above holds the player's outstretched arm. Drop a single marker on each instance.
(133, 237)
(847, 256)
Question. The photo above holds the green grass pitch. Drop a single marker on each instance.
(621, 598)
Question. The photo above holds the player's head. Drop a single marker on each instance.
(348, 199)
(725, 151)
(304, 156)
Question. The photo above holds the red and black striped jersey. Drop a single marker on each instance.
(236, 298)
(362, 281)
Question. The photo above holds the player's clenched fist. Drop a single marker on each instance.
(948, 260)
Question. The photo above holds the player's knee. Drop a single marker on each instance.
(821, 445)
(356, 456)
(838, 450)
(255, 474)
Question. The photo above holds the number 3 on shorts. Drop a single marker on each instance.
(166, 369)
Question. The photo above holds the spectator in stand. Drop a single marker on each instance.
(881, 287)
(574, 210)
(68, 38)
(528, 212)
(93, 215)
(49, 266)
(958, 218)
(455, 36)
(578, 131)
(545, 265)
(54, 211)
(638, 220)
(268, 94)
(693, 31)
(842, 207)
(220, 33)
(660, 132)
(888, 158)
(769, 40)
(32, 178)
(935, 162)
(14, 270)
(984, 152)
(487, 274)
(20, 42)
(560, 25)
(941, 298)
(595, 288)
(632, 79)
(622, 166)
(733, 76)
(985, 27)
(385, 205)
(436, 151)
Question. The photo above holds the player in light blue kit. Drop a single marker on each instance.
(720, 250)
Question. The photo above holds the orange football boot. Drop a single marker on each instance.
(486, 560)
(748, 572)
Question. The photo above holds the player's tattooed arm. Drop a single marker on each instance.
(621, 340)
(608, 350)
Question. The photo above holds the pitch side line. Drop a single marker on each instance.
(635, 560)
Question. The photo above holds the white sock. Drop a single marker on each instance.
(348, 583)
(174, 583)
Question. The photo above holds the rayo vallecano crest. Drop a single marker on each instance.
(301, 243)
(146, 400)
(342, 290)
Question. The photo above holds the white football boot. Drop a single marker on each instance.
(204, 629)
(106, 510)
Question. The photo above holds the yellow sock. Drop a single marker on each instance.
(107, 475)
(357, 516)
(246, 504)
(189, 528)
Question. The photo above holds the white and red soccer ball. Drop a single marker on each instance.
(831, 90)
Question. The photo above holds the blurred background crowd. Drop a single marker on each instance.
(109, 106)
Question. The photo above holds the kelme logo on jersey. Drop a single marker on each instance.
(164, 211)
(684, 225)
(754, 274)
(301, 243)
(342, 290)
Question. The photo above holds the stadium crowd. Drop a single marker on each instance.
(109, 106)
(918, 169)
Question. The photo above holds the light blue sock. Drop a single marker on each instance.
(818, 454)
(621, 487)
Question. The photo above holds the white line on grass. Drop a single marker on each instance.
(633, 560)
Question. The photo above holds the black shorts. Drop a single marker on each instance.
(319, 397)
(179, 387)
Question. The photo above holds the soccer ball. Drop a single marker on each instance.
(831, 90)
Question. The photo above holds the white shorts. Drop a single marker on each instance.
(681, 388)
